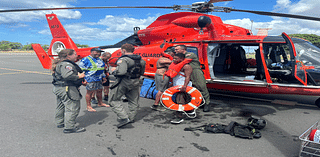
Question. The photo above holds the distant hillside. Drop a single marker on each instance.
(314, 39)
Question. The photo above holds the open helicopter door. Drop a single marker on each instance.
(299, 70)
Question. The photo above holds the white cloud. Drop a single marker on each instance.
(15, 17)
(287, 25)
(107, 29)
(124, 24)
(282, 4)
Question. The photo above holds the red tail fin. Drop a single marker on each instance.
(42, 55)
(61, 39)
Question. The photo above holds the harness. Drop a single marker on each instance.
(133, 72)
(59, 81)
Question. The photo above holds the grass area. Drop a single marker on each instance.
(18, 51)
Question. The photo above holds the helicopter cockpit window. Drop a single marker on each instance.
(309, 55)
(193, 50)
(189, 49)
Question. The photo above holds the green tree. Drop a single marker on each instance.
(314, 39)
(27, 47)
(45, 47)
(4, 42)
(15, 45)
(4, 47)
(82, 46)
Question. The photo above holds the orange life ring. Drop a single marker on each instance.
(196, 99)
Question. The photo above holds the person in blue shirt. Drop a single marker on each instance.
(93, 67)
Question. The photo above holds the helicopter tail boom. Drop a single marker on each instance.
(42, 55)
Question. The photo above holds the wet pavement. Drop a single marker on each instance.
(27, 128)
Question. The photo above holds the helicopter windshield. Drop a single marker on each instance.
(307, 53)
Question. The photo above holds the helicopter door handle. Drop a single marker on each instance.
(218, 53)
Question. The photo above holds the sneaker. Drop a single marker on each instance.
(94, 101)
(123, 122)
(206, 108)
(177, 120)
(157, 107)
(75, 130)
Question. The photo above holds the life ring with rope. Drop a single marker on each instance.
(196, 99)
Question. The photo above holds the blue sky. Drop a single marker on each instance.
(98, 27)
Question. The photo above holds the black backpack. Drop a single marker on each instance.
(234, 129)
(242, 131)
(134, 71)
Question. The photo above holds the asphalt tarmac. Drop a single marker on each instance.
(27, 127)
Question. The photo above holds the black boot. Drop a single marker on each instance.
(206, 108)
(75, 130)
(123, 122)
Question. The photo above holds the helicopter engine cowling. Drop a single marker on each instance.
(193, 21)
(197, 21)
(187, 21)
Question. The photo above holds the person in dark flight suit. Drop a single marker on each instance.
(127, 83)
(67, 78)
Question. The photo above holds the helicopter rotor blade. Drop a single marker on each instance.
(215, 1)
(204, 8)
(174, 7)
(275, 14)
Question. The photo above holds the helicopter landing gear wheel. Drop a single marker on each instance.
(318, 102)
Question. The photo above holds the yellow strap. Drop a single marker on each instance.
(94, 65)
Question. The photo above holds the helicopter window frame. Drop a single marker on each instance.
(217, 70)
(191, 49)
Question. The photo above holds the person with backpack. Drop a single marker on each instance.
(128, 71)
(67, 79)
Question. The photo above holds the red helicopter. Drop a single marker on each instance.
(279, 65)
